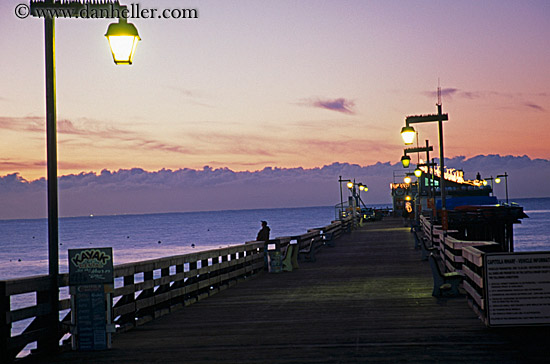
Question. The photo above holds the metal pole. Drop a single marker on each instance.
(506, 186)
(444, 221)
(51, 136)
(341, 199)
(441, 159)
(354, 200)
(429, 180)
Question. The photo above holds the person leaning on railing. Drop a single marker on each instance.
(263, 234)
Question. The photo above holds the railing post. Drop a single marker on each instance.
(5, 326)
(148, 276)
(50, 342)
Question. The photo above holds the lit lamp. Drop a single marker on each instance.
(408, 134)
(123, 38)
(350, 185)
(362, 187)
(497, 180)
(405, 161)
(408, 198)
(407, 180)
(418, 172)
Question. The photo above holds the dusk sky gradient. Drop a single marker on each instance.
(287, 84)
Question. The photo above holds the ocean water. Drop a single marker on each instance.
(24, 243)
(533, 234)
(24, 246)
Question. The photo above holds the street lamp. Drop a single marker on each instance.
(407, 131)
(106, 9)
(407, 179)
(123, 38)
(418, 172)
(405, 161)
(497, 180)
(355, 196)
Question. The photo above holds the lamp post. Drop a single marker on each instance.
(407, 133)
(105, 8)
(505, 176)
(428, 148)
(492, 186)
(356, 196)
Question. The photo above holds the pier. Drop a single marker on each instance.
(366, 299)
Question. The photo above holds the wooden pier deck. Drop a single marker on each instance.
(366, 300)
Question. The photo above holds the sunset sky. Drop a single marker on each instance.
(250, 84)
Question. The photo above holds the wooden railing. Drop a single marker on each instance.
(143, 290)
(474, 282)
(453, 252)
(450, 248)
(462, 256)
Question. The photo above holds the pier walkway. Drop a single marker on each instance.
(366, 300)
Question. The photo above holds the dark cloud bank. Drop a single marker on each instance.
(139, 191)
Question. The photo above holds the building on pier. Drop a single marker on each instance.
(473, 212)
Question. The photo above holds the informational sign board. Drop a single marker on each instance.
(91, 324)
(90, 272)
(517, 288)
(90, 266)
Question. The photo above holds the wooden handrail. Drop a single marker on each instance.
(182, 280)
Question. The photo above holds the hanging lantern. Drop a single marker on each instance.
(408, 133)
(123, 38)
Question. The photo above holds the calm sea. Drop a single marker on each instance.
(24, 243)
(24, 247)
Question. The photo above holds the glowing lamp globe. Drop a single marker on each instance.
(485, 182)
(350, 184)
(123, 38)
(408, 134)
(407, 180)
(405, 161)
(408, 198)
(418, 172)
(497, 180)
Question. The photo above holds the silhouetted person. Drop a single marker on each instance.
(263, 234)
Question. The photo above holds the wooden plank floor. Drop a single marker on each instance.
(367, 300)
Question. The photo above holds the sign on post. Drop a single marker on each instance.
(90, 271)
(517, 288)
(90, 266)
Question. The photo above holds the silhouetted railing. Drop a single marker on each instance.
(143, 290)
